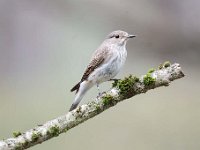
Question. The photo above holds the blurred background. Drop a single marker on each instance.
(45, 45)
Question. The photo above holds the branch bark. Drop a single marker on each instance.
(123, 89)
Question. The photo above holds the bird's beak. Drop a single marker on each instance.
(131, 36)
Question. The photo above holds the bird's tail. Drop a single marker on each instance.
(81, 88)
(73, 106)
(76, 87)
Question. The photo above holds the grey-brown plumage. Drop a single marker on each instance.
(106, 62)
(96, 61)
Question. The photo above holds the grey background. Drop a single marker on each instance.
(45, 46)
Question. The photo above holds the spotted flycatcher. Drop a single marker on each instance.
(105, 64)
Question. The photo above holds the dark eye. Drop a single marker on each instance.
(117, 36)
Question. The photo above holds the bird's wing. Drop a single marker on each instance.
(98, 58)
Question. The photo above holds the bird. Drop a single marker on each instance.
(105, 64)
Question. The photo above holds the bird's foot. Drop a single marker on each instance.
(99, 96)
(115, 80)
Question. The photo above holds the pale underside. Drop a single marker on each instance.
(104, 65)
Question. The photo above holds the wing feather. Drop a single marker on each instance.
(96, 61)
(99, 57)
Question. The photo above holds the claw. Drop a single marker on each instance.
(114, 80)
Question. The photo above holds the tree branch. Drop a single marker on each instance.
(121, 90)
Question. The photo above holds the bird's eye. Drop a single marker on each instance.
(117, 36)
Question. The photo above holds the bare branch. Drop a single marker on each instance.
(122, 89)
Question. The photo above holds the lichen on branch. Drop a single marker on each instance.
(122, 89)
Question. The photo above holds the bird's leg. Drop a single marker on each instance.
(99, 93)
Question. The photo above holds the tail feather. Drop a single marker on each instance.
(73, 106)
(81, 88)
(76, 87)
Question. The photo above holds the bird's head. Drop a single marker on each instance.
(119, 37)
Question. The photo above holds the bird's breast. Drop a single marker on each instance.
(115, 64)
(121, 58)
(110, 68)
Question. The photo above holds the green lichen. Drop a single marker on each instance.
(65, 130)
(151, 70)
(18, 147)
(25, 144)
(164, 65)
(160, 66)
(114, 84)
(16, 134)
(167, 64)
(149, 80)
(126, 85)
(21, 146)
(53, 131)
(98, 109)
(35, 136)
(107, 99)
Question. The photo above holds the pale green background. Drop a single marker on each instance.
(45, 46)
